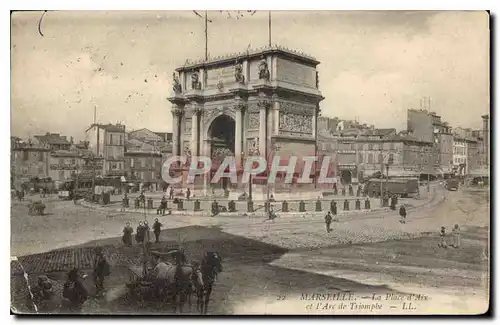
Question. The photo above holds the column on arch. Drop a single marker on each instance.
(238, 138)
(195, 132)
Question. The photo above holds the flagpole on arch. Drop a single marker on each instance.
(206, 36)
(269, 28)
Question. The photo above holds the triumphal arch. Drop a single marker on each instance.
(264, 100)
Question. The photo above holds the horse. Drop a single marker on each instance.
(210, 267)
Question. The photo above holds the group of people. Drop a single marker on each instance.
(75, 293)
(456, 237)
(142, 232)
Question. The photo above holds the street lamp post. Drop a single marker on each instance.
(274, 148)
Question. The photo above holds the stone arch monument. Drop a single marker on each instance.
(270, 94)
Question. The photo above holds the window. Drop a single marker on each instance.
(61, 174)
(111, 139)
(40, 156)
(390, 161)
(26, 155)
(370, 158)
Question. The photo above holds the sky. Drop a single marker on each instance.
(374, 65)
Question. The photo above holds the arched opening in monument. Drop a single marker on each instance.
(222, 137)
(345, 177)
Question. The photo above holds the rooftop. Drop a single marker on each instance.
(109, 127)
(52, 138)
(231, 57)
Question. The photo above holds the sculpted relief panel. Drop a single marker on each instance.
(253, 121)
(188, 126)
(295, 118)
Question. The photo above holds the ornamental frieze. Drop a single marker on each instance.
(298, 109)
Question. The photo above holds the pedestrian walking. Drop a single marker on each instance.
(442, 239)
(127, 234)
(402, 213)
(456, 236)
(171, 193)
(188, 194)
(157, 230)
(101, 270)
(146, 230)
(328, 221)
(139, 234)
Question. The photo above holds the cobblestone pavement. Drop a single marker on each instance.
(66, 224)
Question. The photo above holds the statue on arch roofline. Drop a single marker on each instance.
(176, 84)
(238, 73)
(263, 70)
(195, 81)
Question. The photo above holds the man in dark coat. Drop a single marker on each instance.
(402, 213)
(139, 234)
(188, 194)
(127, 234)
(171, 193)
(101, 270)
(74, 292)
(157, 230)
(328, 221)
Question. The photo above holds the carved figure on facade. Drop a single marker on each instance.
(263, 70)
(195, 81)
(188, 126)
(220, 85)
(238, 73)
(176, 84)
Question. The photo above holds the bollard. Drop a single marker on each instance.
(231, 206)
(367, 204)
(358, 204)
(333, 207)
(250, 206)
(266, 206)
(318, 206)
(284, 206)
(196, 205)
(343, 191)
(150, 203)
(302, 206)
(180, 205)
(346, 205)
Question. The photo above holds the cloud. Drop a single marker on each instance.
(374, 65)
